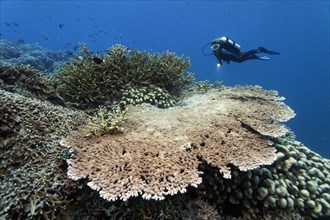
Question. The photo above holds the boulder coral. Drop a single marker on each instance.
(298, 181)
(160, 150)
(146, 94)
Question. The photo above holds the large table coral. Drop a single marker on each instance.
(160, 150)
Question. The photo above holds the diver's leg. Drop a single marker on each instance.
(251, 56)
(249, 53)
(230, 57)
(264, 50)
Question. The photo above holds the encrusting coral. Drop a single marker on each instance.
(31, 169)
(161, 149)
(88, 84)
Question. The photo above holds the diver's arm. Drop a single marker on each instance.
(218, 55)
(220, 61)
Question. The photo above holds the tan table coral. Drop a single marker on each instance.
(160, 150)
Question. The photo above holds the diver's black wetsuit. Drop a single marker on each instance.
(249, 55)
(227, 50)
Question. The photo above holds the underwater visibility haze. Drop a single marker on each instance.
(119, 109)
(299, 30)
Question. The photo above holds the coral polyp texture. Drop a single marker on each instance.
(88, 84)
(146, 94)
(298, 181)
(31, 175)
(271, 113)
(159, 152)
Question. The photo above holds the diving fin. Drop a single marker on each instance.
(264, 58)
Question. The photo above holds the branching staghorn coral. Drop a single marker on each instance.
(88, 84)
(161, 149)
(107, 121)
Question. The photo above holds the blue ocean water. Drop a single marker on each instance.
(299, 30)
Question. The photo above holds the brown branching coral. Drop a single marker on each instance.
(161, 149)
(87, 84)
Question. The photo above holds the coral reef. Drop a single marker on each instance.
(205, 86)
(218, 153)
(196, 203)
(27, 81)
(272, 112)
(90, 84)
(298, 181)
(268, 192)
(146, 94)
(161, 149)
(31, 170)
(107, 122)
(33, 183)
(31, 54)
(187, 206)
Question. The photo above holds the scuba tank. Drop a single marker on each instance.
(233, 43)
(228, 45)
(223, 45)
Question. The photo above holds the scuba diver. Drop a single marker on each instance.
(225, 49)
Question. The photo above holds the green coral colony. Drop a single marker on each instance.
(130, 74)
(38, 110)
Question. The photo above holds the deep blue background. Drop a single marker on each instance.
(297, 29)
